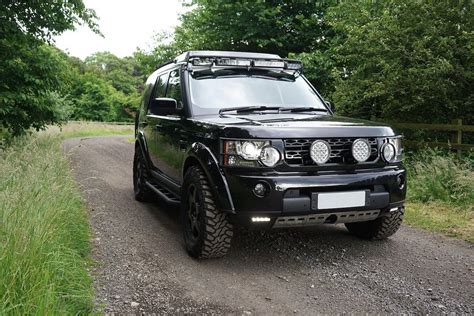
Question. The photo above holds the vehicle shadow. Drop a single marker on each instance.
(327, 242)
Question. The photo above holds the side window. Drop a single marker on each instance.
(174, 87)
(160, 87)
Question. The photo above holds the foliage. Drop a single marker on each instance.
(274, 26)
(164, 49)
(404, 60)
(104, 87)
(44, 232)
(449, 219)
(438, 176)
(441, 193)
(43, 19)
(31, 72)
(30, 81)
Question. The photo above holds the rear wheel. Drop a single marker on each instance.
(379, 228)
(142, 192)
(207, 230)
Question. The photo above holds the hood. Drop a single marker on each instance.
(294, 125)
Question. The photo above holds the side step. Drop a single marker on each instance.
(163, 193)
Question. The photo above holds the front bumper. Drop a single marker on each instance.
(292, 195)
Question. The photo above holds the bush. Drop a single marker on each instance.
(438, 176)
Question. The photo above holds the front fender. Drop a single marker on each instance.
(209, 164)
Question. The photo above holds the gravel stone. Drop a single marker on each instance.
(145, 262)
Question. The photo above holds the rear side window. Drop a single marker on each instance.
(174, 87)
(160, 87)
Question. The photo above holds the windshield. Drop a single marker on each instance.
(221, 89)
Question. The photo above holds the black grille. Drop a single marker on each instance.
(297, 150)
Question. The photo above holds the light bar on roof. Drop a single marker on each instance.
(294, 65)
(269, 63)
(203, 61)
(233, 62)
(216, 61)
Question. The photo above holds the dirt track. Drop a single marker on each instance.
(143, 267)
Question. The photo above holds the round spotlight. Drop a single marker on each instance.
(320, 151)
(270, 156)
(388, 152)
(361, 150)
(259, 190)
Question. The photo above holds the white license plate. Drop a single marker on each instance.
(327, 201)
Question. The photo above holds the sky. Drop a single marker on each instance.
(125, 24)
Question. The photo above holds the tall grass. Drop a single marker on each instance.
(44, 232)
(441, 193)
(439, 176)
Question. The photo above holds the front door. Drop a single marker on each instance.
(159, 91)
(168, 149)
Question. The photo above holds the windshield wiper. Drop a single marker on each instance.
(302, 109)
(246, 109)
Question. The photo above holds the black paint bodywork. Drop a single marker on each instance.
(173, 143)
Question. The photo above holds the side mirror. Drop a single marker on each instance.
(331, 106)
(163, 106)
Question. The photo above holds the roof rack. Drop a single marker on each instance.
(209, 59)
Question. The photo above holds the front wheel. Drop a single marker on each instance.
(207, 230)
(379, 228)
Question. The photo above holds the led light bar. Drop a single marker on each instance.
(203, 61)
(294, 65)
(288, 64)
(233, 62)
(260, 219)
(269, 63)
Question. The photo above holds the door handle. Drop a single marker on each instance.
(158, 127)
(144, 124)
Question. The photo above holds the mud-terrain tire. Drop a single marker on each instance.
(141, 191)
(379, 228)
(207, 230)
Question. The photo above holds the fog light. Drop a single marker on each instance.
(260, 219)
(259, 190)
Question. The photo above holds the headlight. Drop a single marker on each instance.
(320, 151)
(361, 150)
(249, 150)
(270, 156)
(392, 150)
(250, 153)
(388, 152)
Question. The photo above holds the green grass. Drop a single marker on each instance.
(44, 229)
(441, 193)
(448, 219)
(90, 129)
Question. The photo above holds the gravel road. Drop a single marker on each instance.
(142, 265)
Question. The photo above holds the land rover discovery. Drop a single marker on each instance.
(240, 138)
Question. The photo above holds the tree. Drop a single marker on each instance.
(164, 49)
(404, 60)
(119, 72)
(31, 70)
(274, 26)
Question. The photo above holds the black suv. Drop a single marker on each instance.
(244, 139)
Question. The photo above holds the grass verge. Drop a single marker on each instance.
(44, 230)
(441, 193)
(451, 220)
